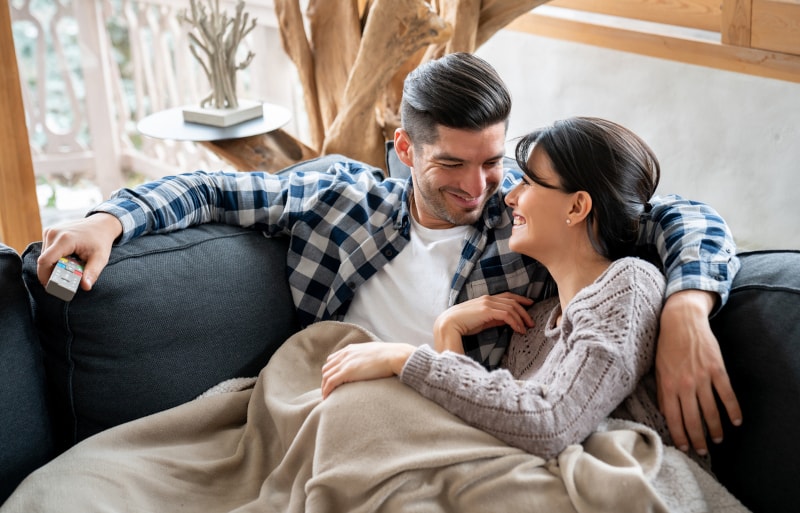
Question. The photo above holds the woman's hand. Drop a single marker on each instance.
(362, 362)
(476, 315)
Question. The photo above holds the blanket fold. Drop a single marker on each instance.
(371, 446)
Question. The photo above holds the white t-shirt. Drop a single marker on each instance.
(402, 300)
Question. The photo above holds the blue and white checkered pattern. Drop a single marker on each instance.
(344, 224)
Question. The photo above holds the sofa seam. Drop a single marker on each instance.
(770, 288)
(70, 375)
(183, 246)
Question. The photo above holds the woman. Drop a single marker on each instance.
(573, 358)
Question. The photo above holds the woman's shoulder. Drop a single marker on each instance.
(632, 270)
(628, 279)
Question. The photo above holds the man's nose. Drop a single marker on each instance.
(474, 182)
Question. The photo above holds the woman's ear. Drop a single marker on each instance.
(403, 147)
(580, 208)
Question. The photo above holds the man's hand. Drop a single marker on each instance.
(689, 368)
(478, 314)
(90, 238)
(362, 362)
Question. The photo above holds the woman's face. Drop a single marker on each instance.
(540, 213)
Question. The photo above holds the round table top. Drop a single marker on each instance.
(169, 124)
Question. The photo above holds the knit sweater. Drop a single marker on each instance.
(557, 382)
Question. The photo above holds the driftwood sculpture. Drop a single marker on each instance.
(356, 53)
(218, 37)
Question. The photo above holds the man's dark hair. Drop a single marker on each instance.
(459, 91)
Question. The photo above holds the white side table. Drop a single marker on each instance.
(255, 145)
(169, 124)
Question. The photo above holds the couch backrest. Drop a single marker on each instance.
(169, 317)
(26, 436)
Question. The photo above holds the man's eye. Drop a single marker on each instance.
(451, 166)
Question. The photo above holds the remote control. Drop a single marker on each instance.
(65, 278)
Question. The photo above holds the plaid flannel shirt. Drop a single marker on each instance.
(344, 224)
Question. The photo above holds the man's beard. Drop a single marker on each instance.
(438, 206)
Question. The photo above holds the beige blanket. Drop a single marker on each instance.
(371, 446)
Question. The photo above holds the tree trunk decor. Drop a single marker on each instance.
(356, 53)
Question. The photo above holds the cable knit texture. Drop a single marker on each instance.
(557, 382)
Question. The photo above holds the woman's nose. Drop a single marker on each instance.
(511, 197)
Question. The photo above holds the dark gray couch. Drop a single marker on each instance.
(173, 315)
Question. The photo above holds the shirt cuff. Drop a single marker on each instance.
(713, 276)
(132, 220)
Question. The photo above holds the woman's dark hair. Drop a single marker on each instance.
(615, 166)
(459, 91)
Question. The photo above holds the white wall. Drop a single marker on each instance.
(728, 139)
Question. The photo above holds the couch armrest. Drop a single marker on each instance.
(759, 334)
(26, 434)
(169, 317)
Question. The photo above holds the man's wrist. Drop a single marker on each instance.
(692, 300)
(109, 224)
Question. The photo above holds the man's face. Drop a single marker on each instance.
(455, 176)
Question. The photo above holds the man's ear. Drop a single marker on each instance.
(581, 206)
(403, 147)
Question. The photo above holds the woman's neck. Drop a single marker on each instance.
(575, 270)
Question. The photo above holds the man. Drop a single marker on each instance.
(391, 255)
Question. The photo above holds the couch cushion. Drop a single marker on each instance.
(759, 333)
(169, 317)
(26, 437)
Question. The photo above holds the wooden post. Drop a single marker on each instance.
(736, 20)
(20, 223)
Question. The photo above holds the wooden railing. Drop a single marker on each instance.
(85, 127)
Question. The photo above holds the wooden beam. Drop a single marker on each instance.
(698, 14)
(781, 66)
(20, 223)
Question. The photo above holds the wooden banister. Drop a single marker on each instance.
(20, 223)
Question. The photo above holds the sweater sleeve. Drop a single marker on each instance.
(608, 335)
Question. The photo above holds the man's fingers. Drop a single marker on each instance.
(671, 409)
(693, 422)
(92, 269)
(48, 258)
(722, 385)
